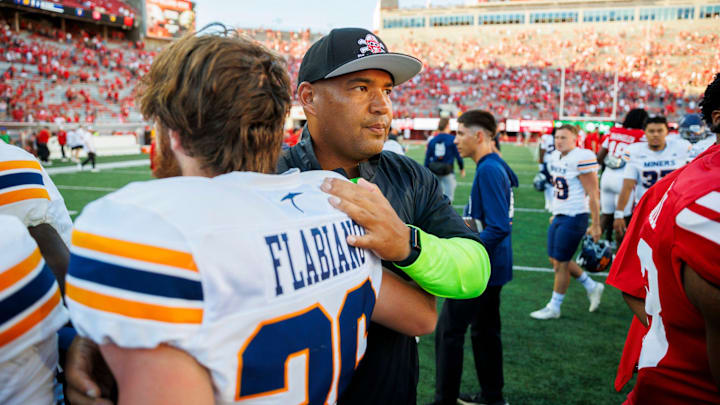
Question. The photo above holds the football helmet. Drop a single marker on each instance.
(594, 256)
(540, 182)
(692, 128)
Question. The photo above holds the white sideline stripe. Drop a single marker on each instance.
(111, 165)
(72, 212)
(518, 209)
(130, 171)
(536, 210)
(85, 188)
(465, 183)
(549, 270)
(698, 225)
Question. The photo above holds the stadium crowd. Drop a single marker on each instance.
(654, 54)
(50, 75)
(79, 76)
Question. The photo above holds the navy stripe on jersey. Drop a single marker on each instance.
(20, 179)
(28, 295)
(140, 281)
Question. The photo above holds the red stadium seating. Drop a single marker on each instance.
(48, 74)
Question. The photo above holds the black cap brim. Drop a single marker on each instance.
(401, 67)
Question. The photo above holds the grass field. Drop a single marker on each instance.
(571, 360)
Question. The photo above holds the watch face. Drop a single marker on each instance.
(414, 239)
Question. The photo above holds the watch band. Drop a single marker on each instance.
(415, 248)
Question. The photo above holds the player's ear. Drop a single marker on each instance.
(306, 96)
(175, 144)
(480, 135)
(715, 117)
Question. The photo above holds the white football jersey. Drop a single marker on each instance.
(570, 198)
(249, 273)
(31, 309)
(646, 167)
(702, 145)
(547, 143)
(28, 193)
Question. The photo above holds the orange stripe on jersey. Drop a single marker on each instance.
(31, 320)
(136, 251)
(133, 309)
(20, 270)
(582, 162)
(19, 164)
(24, 194)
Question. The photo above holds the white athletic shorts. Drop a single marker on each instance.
(610, 186)
(28, 378)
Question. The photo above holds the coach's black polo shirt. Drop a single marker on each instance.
(388, 373)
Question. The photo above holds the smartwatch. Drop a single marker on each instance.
(415, 248)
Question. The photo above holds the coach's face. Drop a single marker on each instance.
(352, 113)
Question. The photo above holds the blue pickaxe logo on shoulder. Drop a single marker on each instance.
(291, 197)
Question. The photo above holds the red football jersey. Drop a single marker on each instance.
(592, 142)
(619, 138)
(677, 223)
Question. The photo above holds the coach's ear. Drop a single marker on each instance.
(715, 117)
(306, 96)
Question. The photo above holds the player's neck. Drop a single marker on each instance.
(481, 151)
(192, 167)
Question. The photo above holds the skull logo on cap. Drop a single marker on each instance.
(370, 44)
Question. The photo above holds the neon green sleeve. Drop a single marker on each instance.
(452, 268)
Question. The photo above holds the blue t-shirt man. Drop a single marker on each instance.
(491, 203)
(441, 148)
(489, 212)
(440, 158)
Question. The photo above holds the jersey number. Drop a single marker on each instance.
(561, 188)
(264, 358)
(655, 344)
(650, 177)
(616, 148)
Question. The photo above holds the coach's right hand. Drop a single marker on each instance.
(620, 227)
(89, 380)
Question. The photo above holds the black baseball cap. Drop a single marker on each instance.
(348, 50)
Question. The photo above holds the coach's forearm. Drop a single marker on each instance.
(451, 268)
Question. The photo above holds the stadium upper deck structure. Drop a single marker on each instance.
(476, 20)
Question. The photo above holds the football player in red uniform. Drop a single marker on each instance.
(667, 269)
